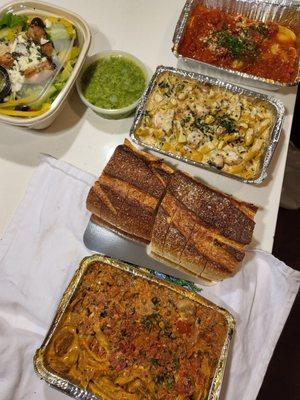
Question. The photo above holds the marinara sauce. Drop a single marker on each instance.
(231, 41)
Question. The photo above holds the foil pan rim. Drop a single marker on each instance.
(179, 31)
(67, 387)
(271, 100)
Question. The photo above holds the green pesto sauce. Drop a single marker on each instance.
(113, 82)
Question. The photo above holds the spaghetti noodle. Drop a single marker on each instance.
(124, 337)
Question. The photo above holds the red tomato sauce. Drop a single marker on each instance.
(235, 42)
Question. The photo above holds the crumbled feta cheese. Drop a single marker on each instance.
(212, 47)
(28, 56)
(31, 59)
(18, 45)
(16, 79)
(43, 40)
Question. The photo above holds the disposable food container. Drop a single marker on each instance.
(45, 10)
(104, 112)
(286, 13)
(185, 290)
(271, 103)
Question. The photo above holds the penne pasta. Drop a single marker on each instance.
(219, 128)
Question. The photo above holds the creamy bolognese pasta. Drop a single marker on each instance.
(124, 337)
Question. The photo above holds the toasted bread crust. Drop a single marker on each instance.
(139, 169)
(188, 225)
(214, 208)
(159, 232)
(215, 272)
(197, 233)
(129, 191)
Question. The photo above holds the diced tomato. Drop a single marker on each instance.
(117, 362)
(183, 326)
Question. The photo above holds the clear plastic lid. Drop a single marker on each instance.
(34, 49)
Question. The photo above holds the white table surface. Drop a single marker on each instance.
(80, 137)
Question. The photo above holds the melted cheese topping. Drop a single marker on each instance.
(207, 124)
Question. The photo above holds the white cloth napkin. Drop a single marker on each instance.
(41, 250)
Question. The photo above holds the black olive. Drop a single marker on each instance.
(5, 86)
(22, 107)
(15, 54)
(51, 63)
(37, 22)
(155, 301)
(103, 314)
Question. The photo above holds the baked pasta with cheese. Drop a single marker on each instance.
(206, 124)
(123, 337)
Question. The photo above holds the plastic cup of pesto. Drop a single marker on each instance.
(111, 83)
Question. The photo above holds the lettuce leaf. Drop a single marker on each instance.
(10, 20)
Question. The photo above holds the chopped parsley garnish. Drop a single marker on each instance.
(186, 120)
(261, 28)
(200, 124)
(240, 46)
(180, 87)
(234, 44)
(148, 321)
(164, 85)
(170, 381)
(159, 379)
(227, 122)
(167, 379)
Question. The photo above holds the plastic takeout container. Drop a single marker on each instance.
(111, 113)
(41, 9)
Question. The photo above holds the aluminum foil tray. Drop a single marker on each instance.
(186, 289)
(275, 105)
(285, 12)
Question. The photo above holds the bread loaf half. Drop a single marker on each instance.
(190, 226)
(128, 192)
(200, 229)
